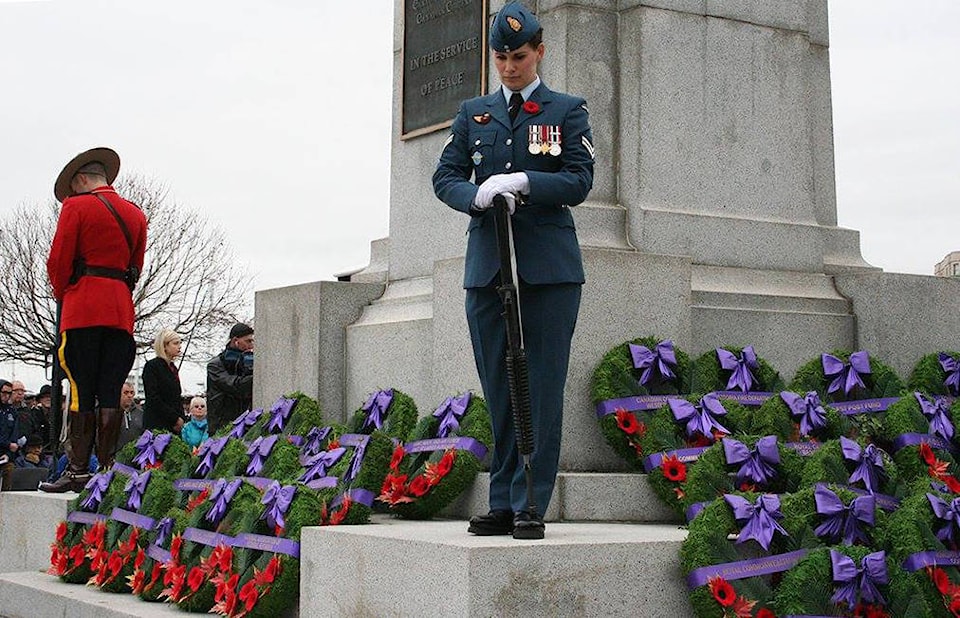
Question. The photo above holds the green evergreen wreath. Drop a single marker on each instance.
(709, 375)
(229, 463)
(147, 579)
(710, 543)
(174, 459)
(882, 381)
(775, 417)
(127, 542)
(616, 378)
(344, 503)
(712, 476)
(305, 413)
(282, 464)
(662, 433)
(420, 484)
(195, 556)
(396, 421)
(912, 529)
(904, 418)
(806, 588)
(928, 375)
(828, 465)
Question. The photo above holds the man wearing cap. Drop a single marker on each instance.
(533, 146)
(94, 262)
(230, 379)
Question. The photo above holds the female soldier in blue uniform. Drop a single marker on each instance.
(534, 146)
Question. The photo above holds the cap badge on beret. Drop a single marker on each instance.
(514, 24)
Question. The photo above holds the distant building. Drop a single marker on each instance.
(948, 266)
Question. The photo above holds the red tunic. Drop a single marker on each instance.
(88, 229)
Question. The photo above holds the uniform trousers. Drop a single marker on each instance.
(549, 316)
(97, 360)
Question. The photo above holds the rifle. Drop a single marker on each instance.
(517, 373)
(56, 390)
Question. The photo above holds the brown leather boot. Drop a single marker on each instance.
(109, 422)
(82, 431)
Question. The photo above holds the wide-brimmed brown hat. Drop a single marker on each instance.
(105, 156)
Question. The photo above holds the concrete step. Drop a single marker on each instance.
(409, 299)
(401, 568)
(32, 594)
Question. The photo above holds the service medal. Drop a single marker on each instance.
(533, 149)
(554, 138)
(477, 158)
(555, 150)
(534, 139)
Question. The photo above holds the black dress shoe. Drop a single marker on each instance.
(527, 526)
(493, 523)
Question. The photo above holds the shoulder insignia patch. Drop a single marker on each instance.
(586, 144)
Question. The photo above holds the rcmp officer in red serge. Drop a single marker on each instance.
(94, 262)
(534, 146)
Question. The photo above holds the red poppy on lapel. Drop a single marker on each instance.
(531, 107)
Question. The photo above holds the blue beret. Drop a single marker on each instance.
(512, 27)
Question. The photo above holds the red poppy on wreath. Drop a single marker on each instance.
(137, 581)
(265, 577)
(531, 107)
(394, 488)
(337, 518)
(397, 458)
(926, 453)
(138, 561)
(249, 595)
(196, 578)
(955, 607)
(743, 607)
(765, 613)
(952, 483)
(674, 469)
(61, 531)
(335, 443)
(446, 463)
(722, 591)
(198, 499)
(419, 486)
(627, 421)
(77, 555)
(175, 544)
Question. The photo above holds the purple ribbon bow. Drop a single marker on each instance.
(742, 367)
(700, 418)
(842, 521)
(258, 451)
(164, 527)
(222, 494)
(846, 375)
(376, 408)
(863, 580)
(313, 443)
(318, 465)
(758, 521)
(244, 422)
(135, 489)
(808, 408)
(869, 463)
(280, 414)
(936, 412)
(209, 451)
(277, 500)
(150, 447)
(949, 513)
(450, 412)
(98, 486)
(357, 460)
(654, 362)
(952, 367)
(756, 465)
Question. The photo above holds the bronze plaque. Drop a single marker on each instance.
(444, 61)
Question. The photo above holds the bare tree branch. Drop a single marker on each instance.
(190, 281)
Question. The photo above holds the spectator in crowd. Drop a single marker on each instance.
(19, 395)
(194, 432)
(230, 379)
(9, 435)
(31, 456)
(161, 385)
(94, 264)
(33, 421)
(132, 415)
(49, 440)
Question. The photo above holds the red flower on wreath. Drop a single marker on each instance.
(869, 611)
(952, 483)
(196, 578)
(926, 453)
(335, 443)
(765, 613)
(137, 581)
(61, 531)
(419, 486)
(337, 518)
(77, 555)
(674, 469)
(627, 421)
(394, 490)
(249, 595)
(175, 544)
(531, 107)
(722, 591)
(955, 606)
(940, 579)
(743, 607)
(198, 499)
(446, 463)
(397, 458)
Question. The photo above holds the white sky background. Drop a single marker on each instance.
(273, 118)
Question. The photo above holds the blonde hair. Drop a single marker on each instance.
(164, 337)
(198, 400)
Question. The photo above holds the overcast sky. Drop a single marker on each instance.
(273, 117)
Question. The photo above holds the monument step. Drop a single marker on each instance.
(30, 594)
(405, 300)
(404, 568)
(582, 497)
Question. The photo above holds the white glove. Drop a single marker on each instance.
(515, 183)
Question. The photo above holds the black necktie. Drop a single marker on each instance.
(516, 101)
